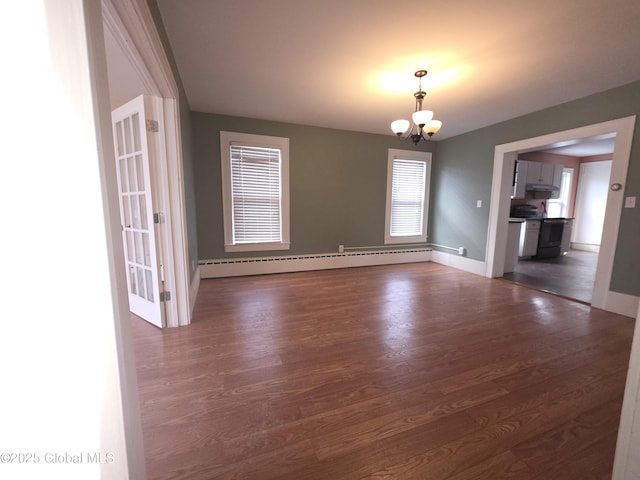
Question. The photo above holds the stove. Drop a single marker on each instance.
(551, 229)
(550, 239)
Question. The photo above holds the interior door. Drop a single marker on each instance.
(591, 202)
(136, 210)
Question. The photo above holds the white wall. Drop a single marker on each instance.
(65, 364)
(627, 461)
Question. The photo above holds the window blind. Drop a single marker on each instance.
(256, 194)
(407, 198)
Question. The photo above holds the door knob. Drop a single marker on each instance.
(616, 186)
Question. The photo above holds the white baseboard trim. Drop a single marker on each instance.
(615, 302)
(459, 262)
(232, 267)
(586, 247)
(621, 304)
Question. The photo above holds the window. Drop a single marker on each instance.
(559, 207)
(408, 175)
(255, 192)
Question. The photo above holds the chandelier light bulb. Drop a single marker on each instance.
(432, 126)
(422, 117)
(400, 126)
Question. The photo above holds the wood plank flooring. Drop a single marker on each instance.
(570, 275)
(414, 371)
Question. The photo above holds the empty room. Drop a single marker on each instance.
(325, 237)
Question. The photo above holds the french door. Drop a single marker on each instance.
(132, 154)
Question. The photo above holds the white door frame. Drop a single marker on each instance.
(626, 457)
(501, 188)
(131, 24)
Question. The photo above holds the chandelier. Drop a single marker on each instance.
(422, 119)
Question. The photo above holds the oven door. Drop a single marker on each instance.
(550, 237)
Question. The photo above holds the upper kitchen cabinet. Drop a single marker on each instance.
(540, 173)
(537, 177)
(557, 180)
(520, 179)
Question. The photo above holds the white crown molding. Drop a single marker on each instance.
(132, 26)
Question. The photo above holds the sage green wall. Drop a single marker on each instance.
(187, 154)
(337, 179)
(463, 167)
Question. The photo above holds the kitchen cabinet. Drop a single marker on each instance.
(529, 233)
(557, 180)
(541, 173)
(537, 173)
(520, 179)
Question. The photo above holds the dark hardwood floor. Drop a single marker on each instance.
(570, 275)
(415, 371)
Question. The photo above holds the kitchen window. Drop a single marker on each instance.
(408, 176)
(255, 192)
(559, 207)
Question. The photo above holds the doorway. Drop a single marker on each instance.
(577, 214)
(136, 65)
(502, 186)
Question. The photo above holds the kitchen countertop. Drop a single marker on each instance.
(520, 219)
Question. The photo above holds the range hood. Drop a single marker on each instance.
(541, 190)
(540, 187)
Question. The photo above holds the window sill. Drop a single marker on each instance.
(256, 247)
(397, 240)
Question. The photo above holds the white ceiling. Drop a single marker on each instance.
(349, 64)
(586, 147)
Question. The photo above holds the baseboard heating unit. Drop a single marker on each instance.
(231, 267)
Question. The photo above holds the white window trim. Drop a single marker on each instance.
(226, 138)
(406, 155)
